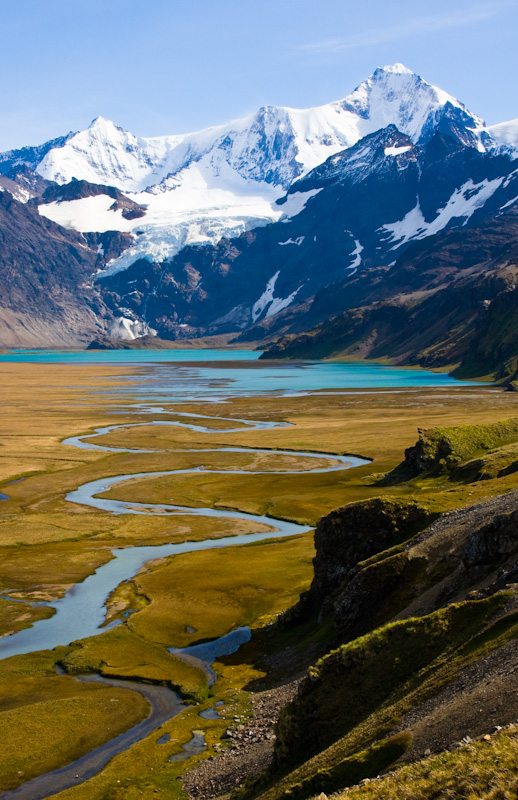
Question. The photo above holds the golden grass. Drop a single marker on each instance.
(485, 770)
(47, 721)
(47, 543)
(215, 591)
(79, 722)
(16, 616)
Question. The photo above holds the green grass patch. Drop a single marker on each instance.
(440, 450)
(120, 653)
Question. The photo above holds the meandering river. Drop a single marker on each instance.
(81, 612)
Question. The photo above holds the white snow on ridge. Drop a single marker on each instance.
(89, 214)
(276, 144)
(410, 227)
(295, 203)
(462, 204)
(266, 297)
(268, 301)
(298, 241)
(358, 249)
(224, 180)
(505, 136)
(279, 303)
(396, 151)
(126, 328)
(509, 203)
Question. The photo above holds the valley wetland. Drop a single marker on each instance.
(191, 454)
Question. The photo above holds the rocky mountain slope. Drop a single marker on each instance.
(447, 301)
(47, 291)
(358, 212)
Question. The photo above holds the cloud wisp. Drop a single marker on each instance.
(411, 27)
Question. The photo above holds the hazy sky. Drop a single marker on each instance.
(170, 66)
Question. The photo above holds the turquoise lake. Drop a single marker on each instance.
(215, 373)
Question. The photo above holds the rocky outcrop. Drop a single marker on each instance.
(352, 534)
(442, 449)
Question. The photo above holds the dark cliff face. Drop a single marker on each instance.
(355, 533)
(452, 555)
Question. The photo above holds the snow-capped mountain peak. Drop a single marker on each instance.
(276, 145)
(221, 181)
(396, 95)
(397, 69)
(505, 136)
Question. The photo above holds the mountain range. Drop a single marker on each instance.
(349, 221)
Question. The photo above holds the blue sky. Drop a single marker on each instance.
(170, 66)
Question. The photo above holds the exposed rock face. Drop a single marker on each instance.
(354, 533)
(492, 544)
(448, 559)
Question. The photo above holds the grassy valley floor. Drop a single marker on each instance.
(48, 544)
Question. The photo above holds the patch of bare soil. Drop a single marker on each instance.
(482, 697)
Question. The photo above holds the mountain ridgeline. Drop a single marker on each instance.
(380, 225)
